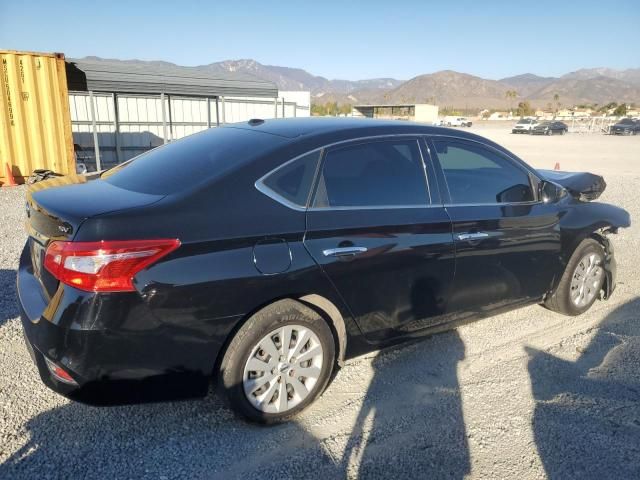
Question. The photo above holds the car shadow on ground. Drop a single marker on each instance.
(587, 417)
(8, 296)
(410, 424)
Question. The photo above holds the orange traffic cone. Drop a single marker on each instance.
(10, 180)
(557, 167)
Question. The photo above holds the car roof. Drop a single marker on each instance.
(321, 126)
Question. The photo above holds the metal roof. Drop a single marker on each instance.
(157, 78)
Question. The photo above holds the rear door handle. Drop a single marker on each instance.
(343, 252)
(472, 236)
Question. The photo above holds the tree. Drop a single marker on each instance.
(524, 109)
(556, 99)
(330, 108)
(318, 110)
(511, 95)
(620, 111)
(345, 109)
(607, 107)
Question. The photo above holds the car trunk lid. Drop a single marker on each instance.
(57, 207)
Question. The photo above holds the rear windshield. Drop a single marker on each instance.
(626, 121)
(189, 161)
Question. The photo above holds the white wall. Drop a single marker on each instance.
(140, 119)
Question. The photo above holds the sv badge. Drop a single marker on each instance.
(65, 228)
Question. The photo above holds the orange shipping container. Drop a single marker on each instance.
(35, 124)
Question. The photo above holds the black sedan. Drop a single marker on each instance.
(265, 254)
(626, 126)
(550, 128)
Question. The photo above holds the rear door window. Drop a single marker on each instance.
(478, 175)
(291, 183)
(373, 174)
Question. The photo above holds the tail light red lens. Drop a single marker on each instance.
(106, 266)
(59, 373)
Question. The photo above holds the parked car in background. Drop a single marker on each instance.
(264, 254)
(550, 128)
(626, 126)
(524, 125)
(457, 122)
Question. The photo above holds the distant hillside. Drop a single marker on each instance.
(449, 88)
(446, 88)
(599, 90)
(297, 79)
(631, 75)
(527, 83)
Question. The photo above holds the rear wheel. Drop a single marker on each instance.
(581, 281)
(278, 363)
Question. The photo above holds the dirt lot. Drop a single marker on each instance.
(529, 394)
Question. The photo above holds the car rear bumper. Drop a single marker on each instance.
(113, 347)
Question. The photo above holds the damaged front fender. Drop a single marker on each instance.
(593, 220)
(592, 217)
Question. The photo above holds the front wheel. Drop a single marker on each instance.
(278, 363)
(581, 281)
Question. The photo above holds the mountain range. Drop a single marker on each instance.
(446, 88)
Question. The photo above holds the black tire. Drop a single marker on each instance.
(278, 314)
(560, 300)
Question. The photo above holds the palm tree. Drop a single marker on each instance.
(556, 97)
(511, 94)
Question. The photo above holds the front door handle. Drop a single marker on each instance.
(343, 251)
(472, 236)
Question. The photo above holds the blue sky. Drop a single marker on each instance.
(339, 39)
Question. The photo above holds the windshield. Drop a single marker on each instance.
(196, 158)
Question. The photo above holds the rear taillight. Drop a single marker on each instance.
(106, 266)
(59, 373)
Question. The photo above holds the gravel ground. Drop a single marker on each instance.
(528, 394)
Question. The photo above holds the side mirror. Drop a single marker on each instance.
(550, 192)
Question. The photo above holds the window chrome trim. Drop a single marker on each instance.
(272, 194)
(262, 188)
(424, 169)
(372, 207)
(496, 204)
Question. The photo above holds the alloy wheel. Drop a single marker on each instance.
(283, 369)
